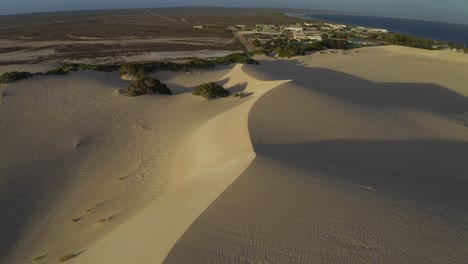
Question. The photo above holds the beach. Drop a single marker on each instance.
(354, 156)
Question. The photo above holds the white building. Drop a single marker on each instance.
(377, 30)
(307, 35)
(314, 37)
(336, 26)
(295, 28)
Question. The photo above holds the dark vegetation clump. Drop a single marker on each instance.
(198, 63)
(133, 70)
(239, 95)
(201, 63)
(242, 58)
(315, 46)
(335, 43)
(62, 70)
(409, 41)
(98, 68)
(138, 71)
(10, 77)
(258, 52)
(211, 90)
(256, 43)
(147, 85)
(290, 51)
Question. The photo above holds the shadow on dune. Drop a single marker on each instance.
(308, 200)
(432, 172)
(429, 171)
(179, 89)
(21, 194)
(419, 96)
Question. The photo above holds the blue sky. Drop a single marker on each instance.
(443, 10)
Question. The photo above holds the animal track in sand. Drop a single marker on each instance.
(88, 212)
(67, 257)
(39, 258)
(107, 219)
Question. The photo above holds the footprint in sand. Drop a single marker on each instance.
(67, 257)
(88, 211)
(106, 220)
(39, 259)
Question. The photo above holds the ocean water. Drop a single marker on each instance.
(441, 31)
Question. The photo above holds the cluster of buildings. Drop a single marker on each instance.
(306, 31)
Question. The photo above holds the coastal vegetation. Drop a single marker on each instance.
(147, 85)
(131, 71)
(409, 41)
(135, 70)
(10, 77)
(242, 58)
(335, 43)
(211, 90)
(239, 95)
(290, 51)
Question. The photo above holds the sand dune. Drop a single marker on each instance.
(347, 169)
(85, 164)
(356, 157)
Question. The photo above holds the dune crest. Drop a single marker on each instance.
(364, 162)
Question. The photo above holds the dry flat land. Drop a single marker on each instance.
(66, 36)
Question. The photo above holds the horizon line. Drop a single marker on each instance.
(301, 11)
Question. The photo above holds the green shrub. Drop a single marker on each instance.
(258, 52)
(335, 43)
(256, 43)
(62, 70)
(147, 85)
(409, 41)
(312, 46)
(200, 63)
(290, 51)
(132, 70)
(211, 90)
(10, 77)
(242, 58)
(99, 68)
(240, 95)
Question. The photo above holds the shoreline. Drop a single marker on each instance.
(308, 16)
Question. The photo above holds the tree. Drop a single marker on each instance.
(211, 90)
(256, 43)
(324, 36)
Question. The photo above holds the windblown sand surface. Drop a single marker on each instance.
(362, 158)
(356, 158)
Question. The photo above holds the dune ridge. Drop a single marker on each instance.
(333, 157)
(364, 162)
(125, 174)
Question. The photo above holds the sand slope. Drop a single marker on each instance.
(356, 157)
(87, 171)
(360, 159)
